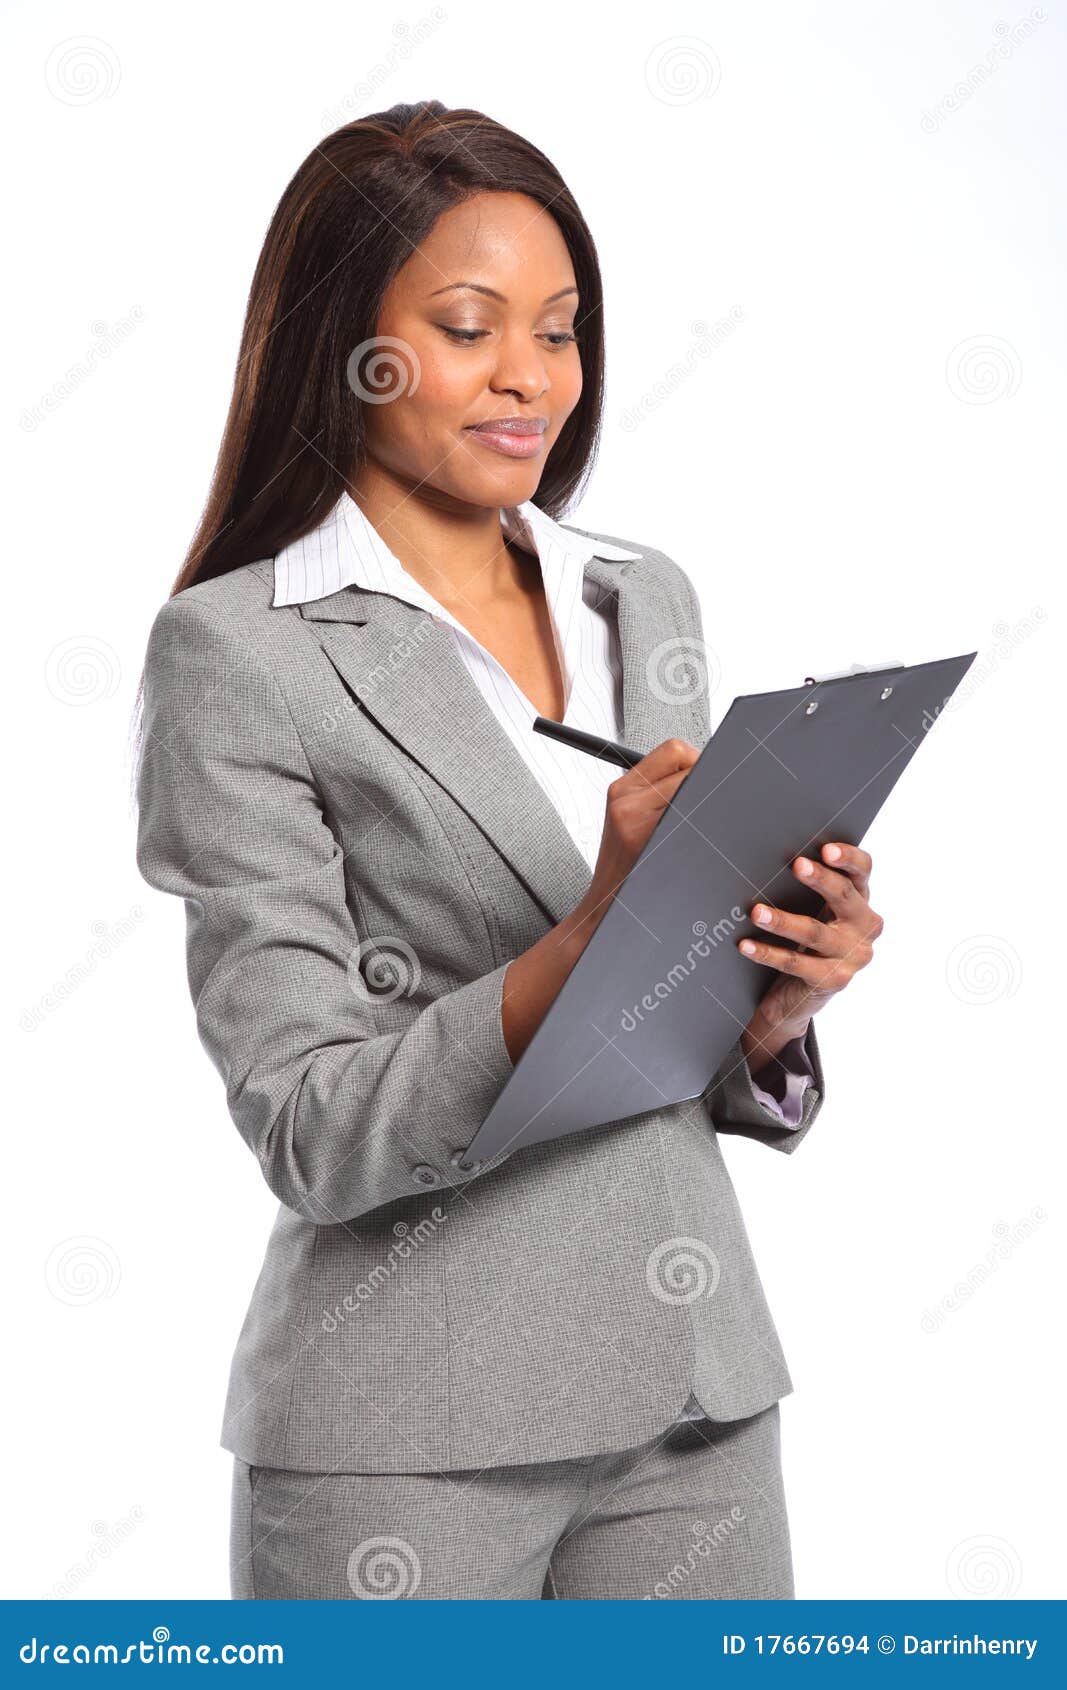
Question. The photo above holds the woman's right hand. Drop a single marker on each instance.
(635, 803)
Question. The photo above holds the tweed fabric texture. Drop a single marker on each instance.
(360, 853)
(695, 1514)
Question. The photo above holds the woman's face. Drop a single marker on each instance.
(478, 325)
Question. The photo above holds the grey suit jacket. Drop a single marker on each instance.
(361, 852)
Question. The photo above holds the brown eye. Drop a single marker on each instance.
(466, 336)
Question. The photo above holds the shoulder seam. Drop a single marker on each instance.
(265, 665)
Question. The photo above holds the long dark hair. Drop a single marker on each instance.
(356, 209)
(360, 203)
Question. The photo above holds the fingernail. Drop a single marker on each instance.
(803, 866)
(748, 947)
(762, 914)
(833, 852)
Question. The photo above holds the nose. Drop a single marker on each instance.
(520, 367)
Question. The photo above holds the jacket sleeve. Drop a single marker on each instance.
(341, 1115)
(731, 1099)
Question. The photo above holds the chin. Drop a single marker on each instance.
(501, 490)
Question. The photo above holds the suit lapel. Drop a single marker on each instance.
(407, 673)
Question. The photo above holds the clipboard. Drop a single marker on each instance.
(661, 992)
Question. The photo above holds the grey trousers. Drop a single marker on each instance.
(696, 1513)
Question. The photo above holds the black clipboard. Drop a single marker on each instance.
(661, 992)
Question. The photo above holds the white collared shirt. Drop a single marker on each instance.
(346, 549)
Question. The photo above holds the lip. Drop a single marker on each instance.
(513, 437)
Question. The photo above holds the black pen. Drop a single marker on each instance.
(605, 749)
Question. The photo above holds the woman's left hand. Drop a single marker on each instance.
(836, 945)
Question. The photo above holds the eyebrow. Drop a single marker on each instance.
(476, 287)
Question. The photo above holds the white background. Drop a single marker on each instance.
(869, 466)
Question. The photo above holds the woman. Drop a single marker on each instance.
(552, 1375)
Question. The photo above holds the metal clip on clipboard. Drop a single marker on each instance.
(767, 786)
(855, 669)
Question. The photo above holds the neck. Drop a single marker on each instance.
(457, 552)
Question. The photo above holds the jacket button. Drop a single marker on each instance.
(425, 1174)
(456, 1160)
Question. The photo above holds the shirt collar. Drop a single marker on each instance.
(347, 550)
